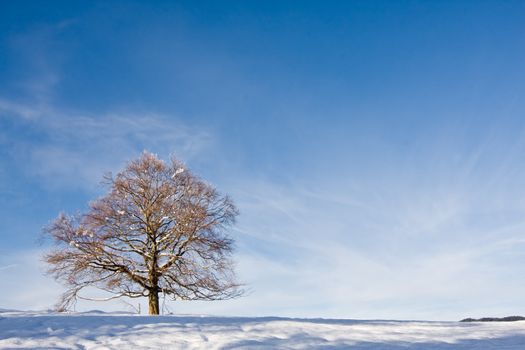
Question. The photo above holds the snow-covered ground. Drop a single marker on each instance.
(38, 330)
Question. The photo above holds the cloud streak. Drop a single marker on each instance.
(75, 149)
(411, 251)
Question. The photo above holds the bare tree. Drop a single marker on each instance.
(160, 229)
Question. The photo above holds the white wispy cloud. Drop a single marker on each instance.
(10, 266)
(17, 110)
(76, 149)
(63, 147)
(412, 250)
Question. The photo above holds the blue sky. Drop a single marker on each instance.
(375, 149)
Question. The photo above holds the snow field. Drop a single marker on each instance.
(29, 330)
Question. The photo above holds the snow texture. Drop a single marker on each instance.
(177, 172)
(97, 330)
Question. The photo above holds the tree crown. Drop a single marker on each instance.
(159, 229)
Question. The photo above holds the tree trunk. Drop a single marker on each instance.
(154, 302)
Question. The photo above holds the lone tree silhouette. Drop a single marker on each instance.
(159, 229)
